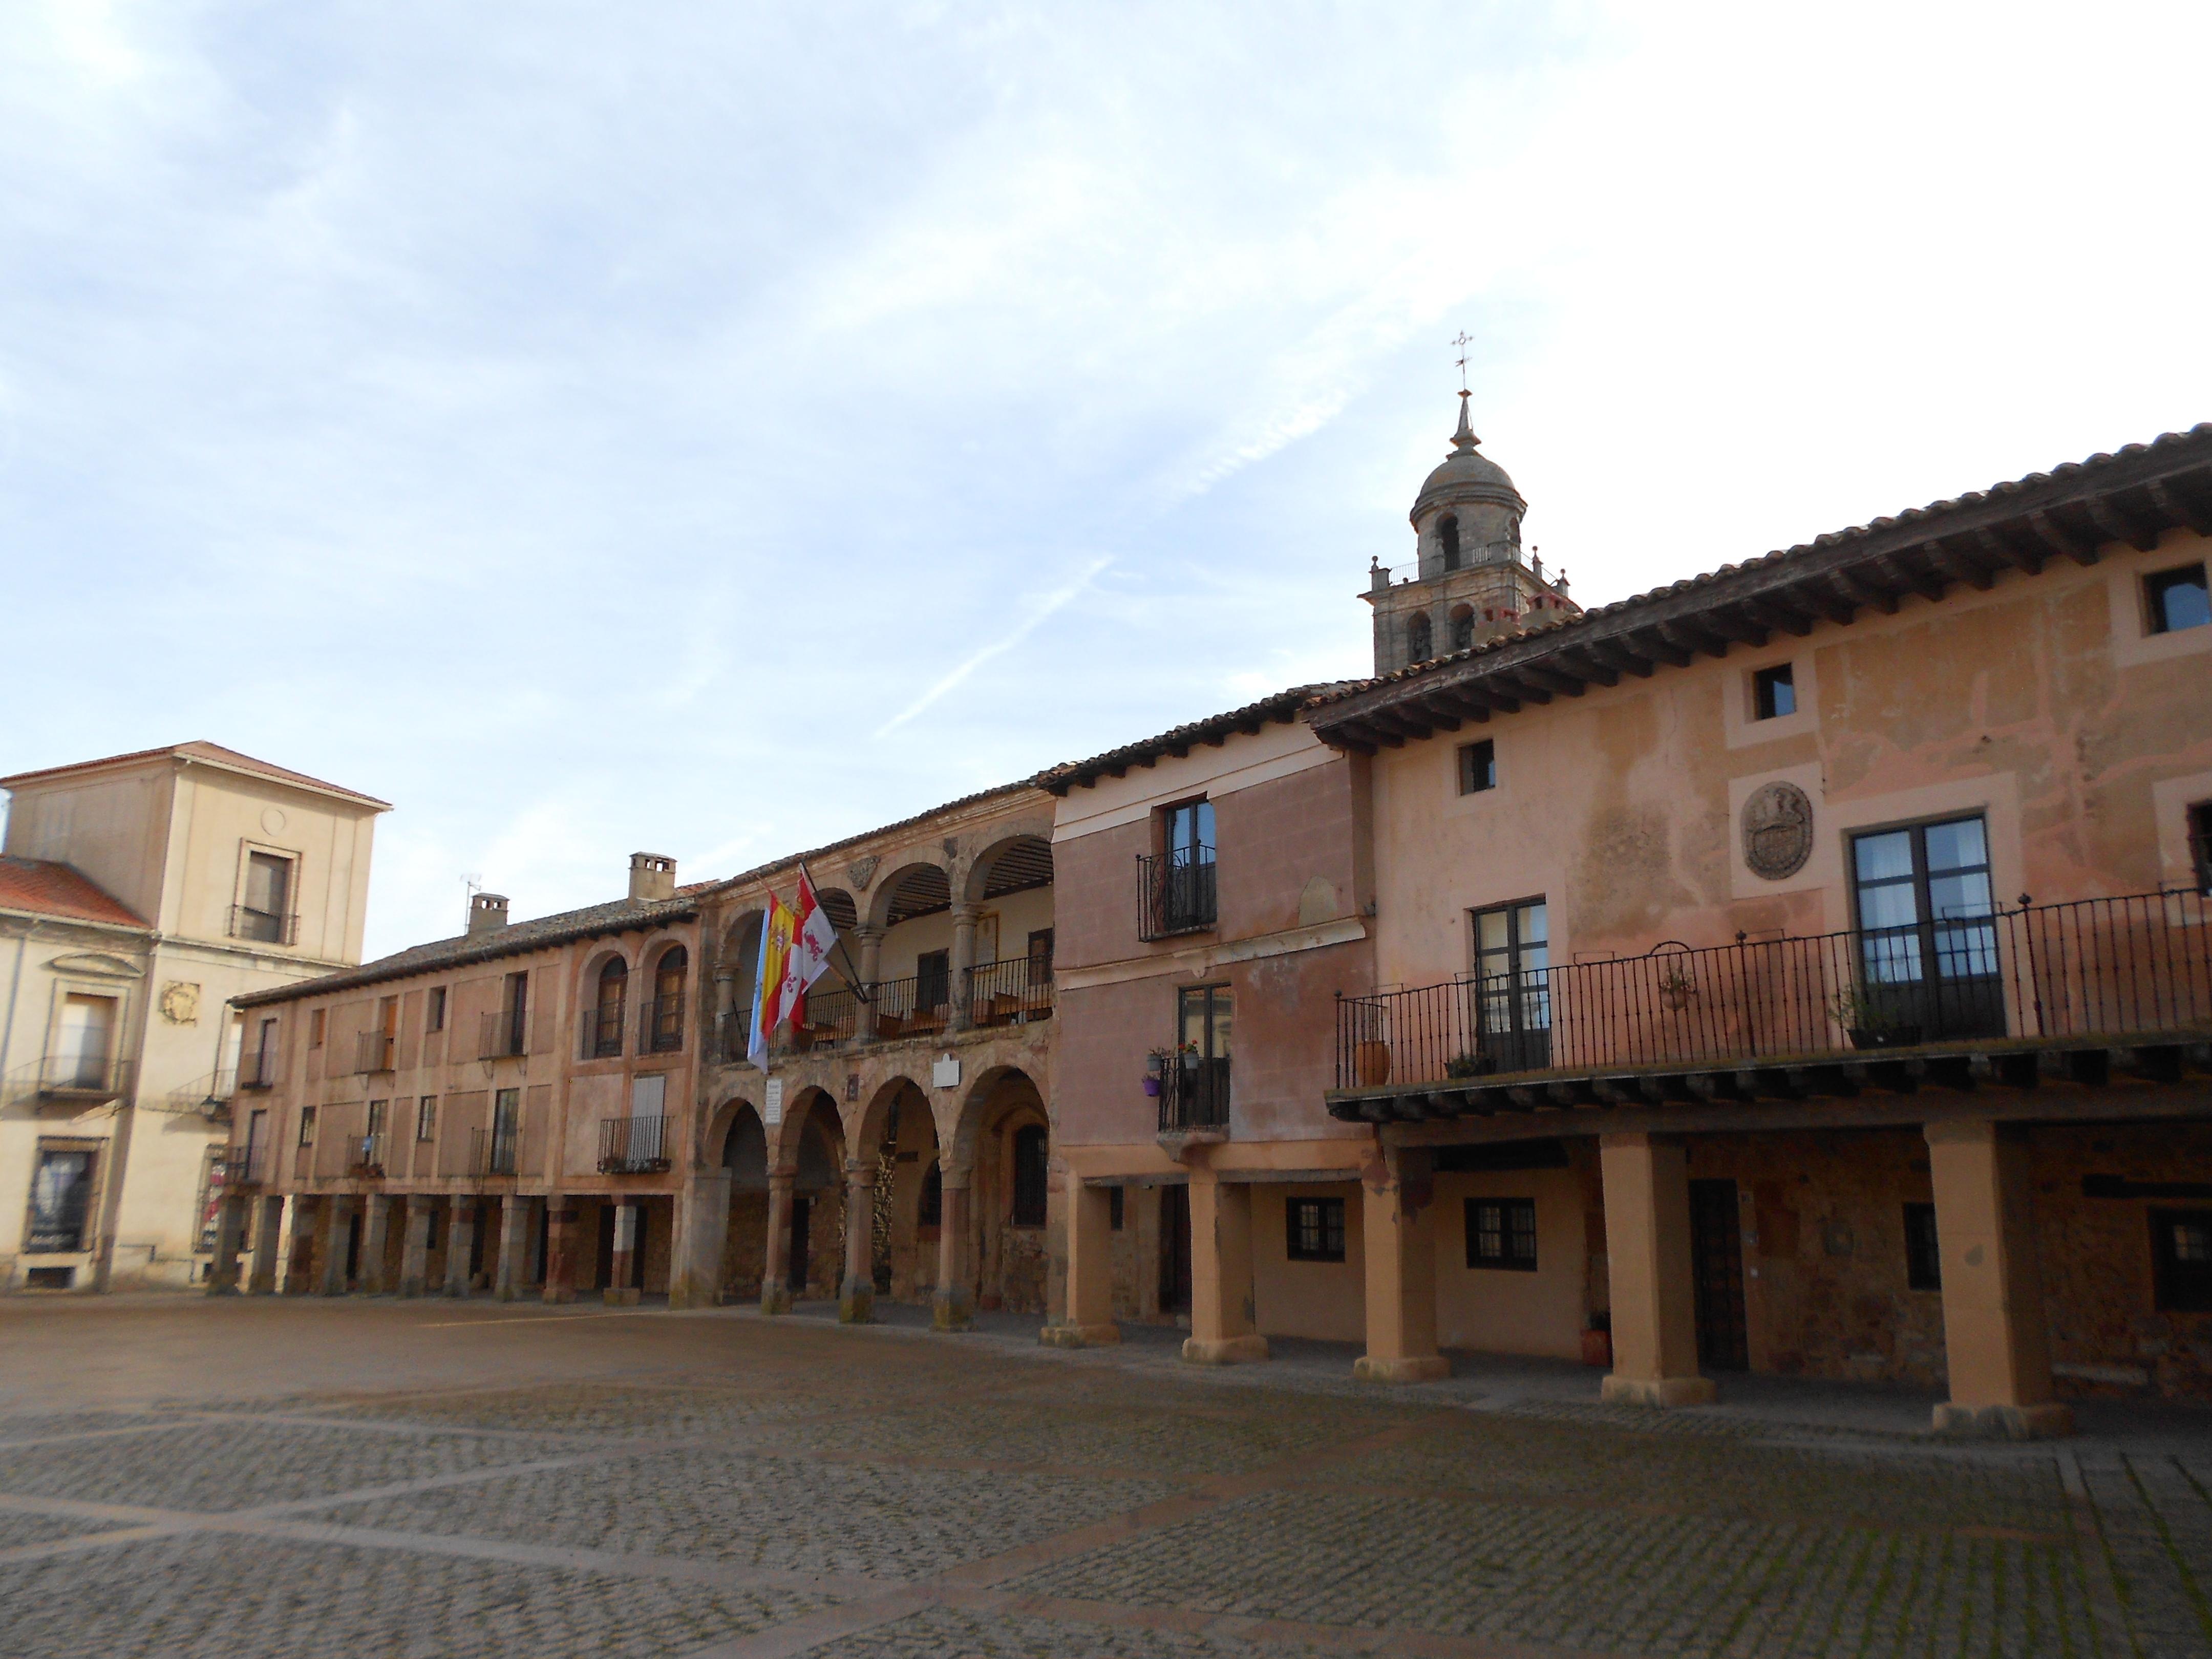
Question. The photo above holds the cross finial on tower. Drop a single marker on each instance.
(1462, 340)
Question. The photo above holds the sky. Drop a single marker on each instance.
(717, 429)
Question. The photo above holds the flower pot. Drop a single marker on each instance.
(1371, 1064)
(1890, 1036)
(1597, 1349)
(1153, 1085)
(1675, 997)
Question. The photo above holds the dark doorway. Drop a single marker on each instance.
(603, 1275)
(1175, 1249)
(637, 1250)
(480, 1225)
(796, 1279)
(1716, 1267)
(537, 1251)
(353, 1247)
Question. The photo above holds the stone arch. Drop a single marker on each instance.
(715, 1127)
(1420, 641)
(843, 911)
(896, 1132)
(739, 1144)
(604, 995)
(1019, 859)
(1010, 1261)
(918, 887)
(811, 1108)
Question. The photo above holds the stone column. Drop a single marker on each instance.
(964, 917)
(460, 1242)
(870, 968)
(953, 1307)
(1995, 1339)
(624, 1267)
(266, 1235)
(230, 1229)
(702, 1230)
(337, 1214)
(294, 1233)
(775, 1269)
(1648, 1264)
(512, 1278)
(1089, 1319)
(856, 1301)
(1224, 1312)
(375, 1220)
(1398, 1232)
(415, 1246)
(560, 1249)
(726, 1013)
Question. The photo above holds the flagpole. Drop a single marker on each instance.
(852, 974)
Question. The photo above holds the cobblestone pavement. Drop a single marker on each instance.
(368, 1477)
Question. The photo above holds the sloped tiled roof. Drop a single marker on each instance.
(1216, 729)
(40, 887)
(212, 754)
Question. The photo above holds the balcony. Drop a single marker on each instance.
(915, 1006)
(365, 1157)
(661, 1031)
(1176, 893)
(83, 1080)
(1997, 997)
(1193, 1095)
(258, 1072)
(372, 1051)
(493, 1152)
(246, 1166)
(263, 926)
(504, 1035)
(1015, 993)
(633, 1146)
(603, 1031)
(832, 1017)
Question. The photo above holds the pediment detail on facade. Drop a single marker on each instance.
(97, 963)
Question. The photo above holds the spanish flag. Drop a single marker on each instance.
(770, 979)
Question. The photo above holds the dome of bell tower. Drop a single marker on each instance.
(1469, 478)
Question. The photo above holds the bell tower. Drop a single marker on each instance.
(1469, 581)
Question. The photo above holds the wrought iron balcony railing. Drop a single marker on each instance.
(504, 1035)
(633, 1146)
(1011, 993)
(1176, 893)
(258, 1071)
(246, 1166)
(493, 1152)
(2134, 965)
(603, 1031)
(832, 1016)
(1194, 1094)
(83, 1078)
(661, 1031)
(263, 926)
(372, 1052)
(916, 1006)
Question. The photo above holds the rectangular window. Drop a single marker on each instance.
(306, 1125)
(1181, 894)
(261, 1068)
(1196, 1088)
(265, 915)
(2181, 1253)
(1040, 956)
(1030, 1175)
(932, 981)
(2200, 844)
(1773, 692)
(2176, 599)
(1115, 1206)
(1924, 1262)
(1928, 952)
(506, 1130)
(61, 1199)
(380, 1112)
(1501, 1232)
(315, 1028)
(84, 1042)
(1513, 987)
(1478, 767)
(426, 1118)
(514, 1015)
(1316, 1228)
(435, 1017)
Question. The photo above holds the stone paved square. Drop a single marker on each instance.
(257, 1477)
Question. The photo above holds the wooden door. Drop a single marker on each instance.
(1717, 1265)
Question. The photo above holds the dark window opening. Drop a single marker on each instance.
(1924, 1262)
(1447, 534)
(931, 1213)
(2178, 600)
(1316, 1228)
(1716, 1276)
(932, 981)
(2181, 1252)
(2200, 844)
(61, 1196)
(1029, 1175)
(1501, 1232)
(665, 1028)
(1195, 1087)
(603, 1035)
(1478, 767)
(266, 916)
(1178, 889)
(1040, 956)
(435, 1020)
(1774, 692)
(1513, 986)
(1463, 631)
(426, 1118)
(1928, 952)
(1420, 644)
(1114, 1206)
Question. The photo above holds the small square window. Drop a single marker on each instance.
(2176, 599)
(435, 1020)
(1501, 1232)
(1774, 692)
(1316, 1228)
(1478, 766)
(1924, 1262)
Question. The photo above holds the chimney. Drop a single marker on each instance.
(487, 913)
(651, 877)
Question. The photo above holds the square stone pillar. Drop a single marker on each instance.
(953, 1307)
(856, 1299)
(1224, 1309)
(1089, 1320)
(1398, 1233)
(511, 1277)
(775, 1270)
(623, 1268)
(294, 1245)
(460, 1242)
(268, 1233)
(337, 1217)
(376, 1223)
(230, 1229)
(415, 1246)
(1647, 1263)
(871, 942)
(702, 1231)
(560, 1249)
(1996, 1342)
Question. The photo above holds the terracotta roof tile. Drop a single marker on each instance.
(40, 887)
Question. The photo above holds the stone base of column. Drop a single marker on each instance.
(952, 1310)
(1223, 1350)
(1661, 1391)
(2049, 1421)
(561, 1294)
(615, 1298)
(856, 1304)
(775, 1299)
(411, 1286)
(1421, 1368)
(691, 1291)
(1079, 1336)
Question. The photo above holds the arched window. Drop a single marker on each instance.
(1029, 1175)
(665, 1019)
(1447, 534)
(1463, 630)
(606, 1035)
(1420, 647)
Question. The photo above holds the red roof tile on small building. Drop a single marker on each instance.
(40, 887)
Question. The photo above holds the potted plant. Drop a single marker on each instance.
(1597, 1341)
(1371, 1062)
(1677, 990)
(1468, 1065)
(1871, 1026)
(1155, 1063)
